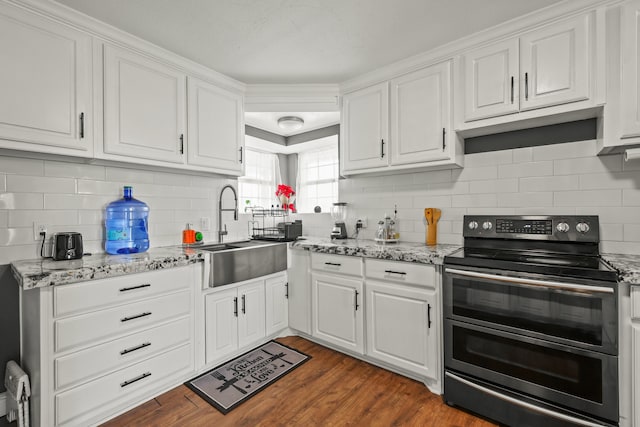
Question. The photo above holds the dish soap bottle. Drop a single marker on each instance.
(126, 225)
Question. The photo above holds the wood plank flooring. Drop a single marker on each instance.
(331, 389)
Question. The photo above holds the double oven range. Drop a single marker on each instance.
(531, 322)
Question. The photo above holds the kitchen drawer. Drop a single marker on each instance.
(635, 302)
(101, 359)
(88, 296)
(401, 272)
(81, 404)
(342, 264)
(114, 322)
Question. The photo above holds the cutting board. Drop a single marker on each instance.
(432, 215)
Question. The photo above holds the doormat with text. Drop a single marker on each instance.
(230, 384)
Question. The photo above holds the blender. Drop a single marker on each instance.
(339, 214)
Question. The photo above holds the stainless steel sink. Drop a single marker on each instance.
(239, 261)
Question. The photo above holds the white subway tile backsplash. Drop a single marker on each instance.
(549, 183)
(507, 185)
(128, 176)
(576, 166)
(611, 180)
(520, 200)
(431, 201)
(74, 170)
(3, 183)
(565, 151)
(631, 233)
(474, 200)
(16, 236)
(21, 201)
(4, 218)
(631, 197)
(101, 187)
(522, 155)
(90, 217)
(21, 166)
(447, 188)
(475, 173)
(612, 232)
(431, 177)
(162, 178)
(631, 165)
(544, 210)
(76, 201)
(26, 218)
(518, 170)
(588, 198)
(39, 184)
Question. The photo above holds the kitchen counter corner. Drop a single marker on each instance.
(405, 251)
(627, 266)
(38, 273)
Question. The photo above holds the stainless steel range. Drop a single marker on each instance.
(531, 324)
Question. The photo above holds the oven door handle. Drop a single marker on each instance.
(526, 405)
(533, 282)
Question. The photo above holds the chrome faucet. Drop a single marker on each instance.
(224, 232)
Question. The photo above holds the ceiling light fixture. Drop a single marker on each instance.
(290, 123)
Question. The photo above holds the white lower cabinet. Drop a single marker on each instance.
(239, 316)
(337, 311)
(299, 290)
(635, 349)
(401, 327)
(133, 339)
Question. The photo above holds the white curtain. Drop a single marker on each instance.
(261, 178)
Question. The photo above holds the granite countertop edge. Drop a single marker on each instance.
(38, 273)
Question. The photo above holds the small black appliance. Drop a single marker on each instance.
(66, 246)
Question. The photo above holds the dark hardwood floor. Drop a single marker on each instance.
(329, 390)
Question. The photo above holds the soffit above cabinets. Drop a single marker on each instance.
(308, 41)
(312, 120)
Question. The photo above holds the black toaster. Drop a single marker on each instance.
(67, 245)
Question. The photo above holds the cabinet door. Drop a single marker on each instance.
(277, 304)
(420, 115)
(630, 48)
(299, 277)
(144, 107)
(215, 127)
(554, 64)
(365, 133)
(491, 81)
(337, 311)
(221, 324)
(251, 317)
(636, 374)
(401, 327)
(45, 83)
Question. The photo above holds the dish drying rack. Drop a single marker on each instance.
(264, 224)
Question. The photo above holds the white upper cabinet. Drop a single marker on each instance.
(418, 112)
(365, 128)
(491, 81)
(45, 85)
(144, 107)
(545, 67)
(421, 115)
(630, 88)
(554, 64)
(215, 127)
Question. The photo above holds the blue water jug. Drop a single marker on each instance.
(127, 225)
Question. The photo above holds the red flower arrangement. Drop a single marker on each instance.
(284, 194)
(284, 190)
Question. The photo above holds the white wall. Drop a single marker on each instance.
(555, 179)
(70, 196)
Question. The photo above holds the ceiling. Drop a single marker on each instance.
(302, 41)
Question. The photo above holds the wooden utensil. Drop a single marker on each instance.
(432, 215)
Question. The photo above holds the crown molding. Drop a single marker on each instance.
(108, 33)
(508, 29)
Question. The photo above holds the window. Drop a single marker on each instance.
(261, 176)
(317, 183)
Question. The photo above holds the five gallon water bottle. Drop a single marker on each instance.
(126, 225)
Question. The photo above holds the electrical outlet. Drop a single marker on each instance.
(205, 223)
(37, 229)
(363, 221)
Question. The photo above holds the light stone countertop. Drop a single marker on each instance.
(401, 251)
(38, 273)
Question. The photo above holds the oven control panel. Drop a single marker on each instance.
(564, 228)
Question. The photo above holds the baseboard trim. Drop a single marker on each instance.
(3, 404)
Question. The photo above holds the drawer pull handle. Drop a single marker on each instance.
(146, 285)
(132, 349)
(244, 304)
(137, 316)
(235, 306)
(357, 305)
(136, 379)
(333, 264)
(395, 272)
(429, 316)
